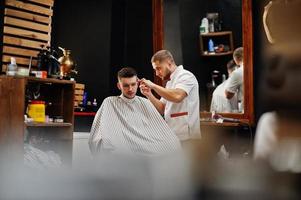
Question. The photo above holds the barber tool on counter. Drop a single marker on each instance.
(67, 64)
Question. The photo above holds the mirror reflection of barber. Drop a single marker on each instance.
(235, 83)
(179, 99)
(219, 102)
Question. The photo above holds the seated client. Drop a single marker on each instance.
(129, 123)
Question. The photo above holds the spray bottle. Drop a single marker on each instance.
(12, 68)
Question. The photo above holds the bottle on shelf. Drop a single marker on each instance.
(210, 46)
(12, 67)
(85, 99)
(89, 106)
(204, 28)
(211, 27)
(94, 104)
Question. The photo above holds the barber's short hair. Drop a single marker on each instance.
(239, 54)
(162, 55)
(231, 65)
(126, 72)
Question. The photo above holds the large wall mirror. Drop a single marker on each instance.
(176, 27)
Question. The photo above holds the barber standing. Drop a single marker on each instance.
(234, 84)
(179, 101)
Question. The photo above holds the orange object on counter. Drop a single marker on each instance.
(40, 74)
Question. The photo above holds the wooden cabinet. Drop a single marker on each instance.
(59, 98)
(219, 38)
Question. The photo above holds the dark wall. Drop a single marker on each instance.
(118, 38)
(172, 29)
(131, 43)
(105, 36)
(190, 14)
(85, 28)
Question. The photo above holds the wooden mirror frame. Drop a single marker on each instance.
(247, 29)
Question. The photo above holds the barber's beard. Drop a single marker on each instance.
(167, 77)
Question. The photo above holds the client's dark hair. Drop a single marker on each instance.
(126, 72)
(231, 65)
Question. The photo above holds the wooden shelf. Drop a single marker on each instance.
(84, 113)
(223, 37)
(48, 80)
(50, 124)
(218, 54)
(222, 33)
(42, 80)
(206, 117)
(224, 124)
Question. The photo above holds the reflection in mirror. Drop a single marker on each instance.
(228, 96)
(220, 35)
(182, 32)
(219, 102)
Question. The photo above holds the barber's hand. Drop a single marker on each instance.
(145, 90)
(147, 83)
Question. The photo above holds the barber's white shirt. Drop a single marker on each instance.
(235, 84)
(183, 118)
(220, 103)
(283, 154)
(265, 138)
